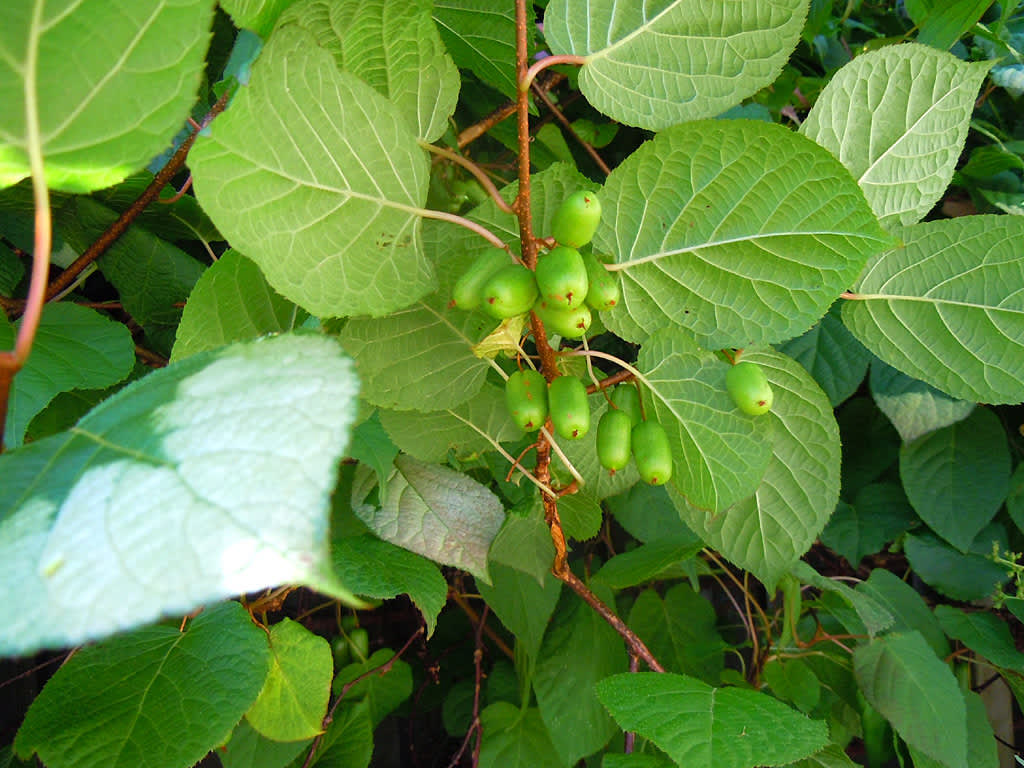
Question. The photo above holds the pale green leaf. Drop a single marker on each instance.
(205, 479)
(436, 512)
(74, 348)
(374, 568)
(897, 118)
(257, 15)
(680, 630)
(420, 358)
(720, 455)
(466, 429)
(957, 477)
(153, 698)
(742, 232)
(984, 633)
(872, 612)
(831, 354)
(514, 738)
(293, 702)
(907, 609)
(480, 35)
(704, 727)
(314, 176)
(769, 531)
(970, 575)
(381, 692)
(948, 307)
(914, 690)
(659, 63)
(232, 302)
(100, 87)
(392, 47)
(583, 648)
(913, 407)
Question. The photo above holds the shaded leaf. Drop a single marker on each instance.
(875, 614)
(480, 36)
(830, 353)
(879, 513)
(913, 407)
(984, 633)
(906, 606)
(380, 693)
(515, 738)
(960, 575)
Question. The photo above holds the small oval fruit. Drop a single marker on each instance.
(603, 291)
(576, 219)
(509, 292)
(359, 639)
(652, 452)
(562, 278)
(569, 323)
(626, 398)
(568, 406)
(341, 651)
(526, 395)
(468, 291)
(749, 388)
(614, 444)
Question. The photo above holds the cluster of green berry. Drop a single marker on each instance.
(566, 285)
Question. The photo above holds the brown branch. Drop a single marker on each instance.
(472, 133)
(548, 61)
(473, 617)
(522, 201)
(125, 220)
(473, 168)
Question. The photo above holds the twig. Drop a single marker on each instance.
(475, 728)
(502, 113)
(560, 116)
(469, 165)
(461, 601)
(548, 61)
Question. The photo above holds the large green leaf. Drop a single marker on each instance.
(155, 697)
(99, 87)
(831, 756)
(908, 610)
(984, 633)
(435, 512)
(948, 22)
(392, 46)
(293, 702)
(75, 348)
(205, 479)
(720, 455)
(970, 575)
(742, 232)
(420, 358)
(704, 727)
(769, 531)
(247, 748)
(314, 176)
(480, 35)
(381, 692)
(902, 678)
(871, 612)
(514, 738)
(232, 302)
(877, 515)
(348, 742)
(947, 307)
(913, 407)
(957, 477)
(579, 649)
(659, 63)
(523, 605)
(257, 15)
(897, 119)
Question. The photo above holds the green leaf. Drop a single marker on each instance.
(951, 286)
(901, 677)
(580, 648)
(704, 727)
(656, 65)
(314, 176)
(154, 697)
(720, 454)
(646, 562)
(293, 702)
(466, 429)
(680, 631)
(393, 47)
(257, 15)
(951, 21)
(11, 270)
(960, 575)
(98, 88)
(835, 359)
(435, 512)
(420, 358)
(377, 569)
(514, 738)
(957, 477)
(372, 446)
(648, 514)
(156, 502)
(168, 218)
(984, 633)
(793, 680)
(247, 748)
(523, 605)
(906, 606)
(897, 118)
(348, 742)
(769, 531)
(913, 407)
(1015, 497)
(871, 611)
(74, 348)
(871, 446)
(381, 693)
(524, 543)
(879, 513)
(480, 36)
(150, 274)
(635, 760)
(232, 302)
(742, 232)
(832, 756)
